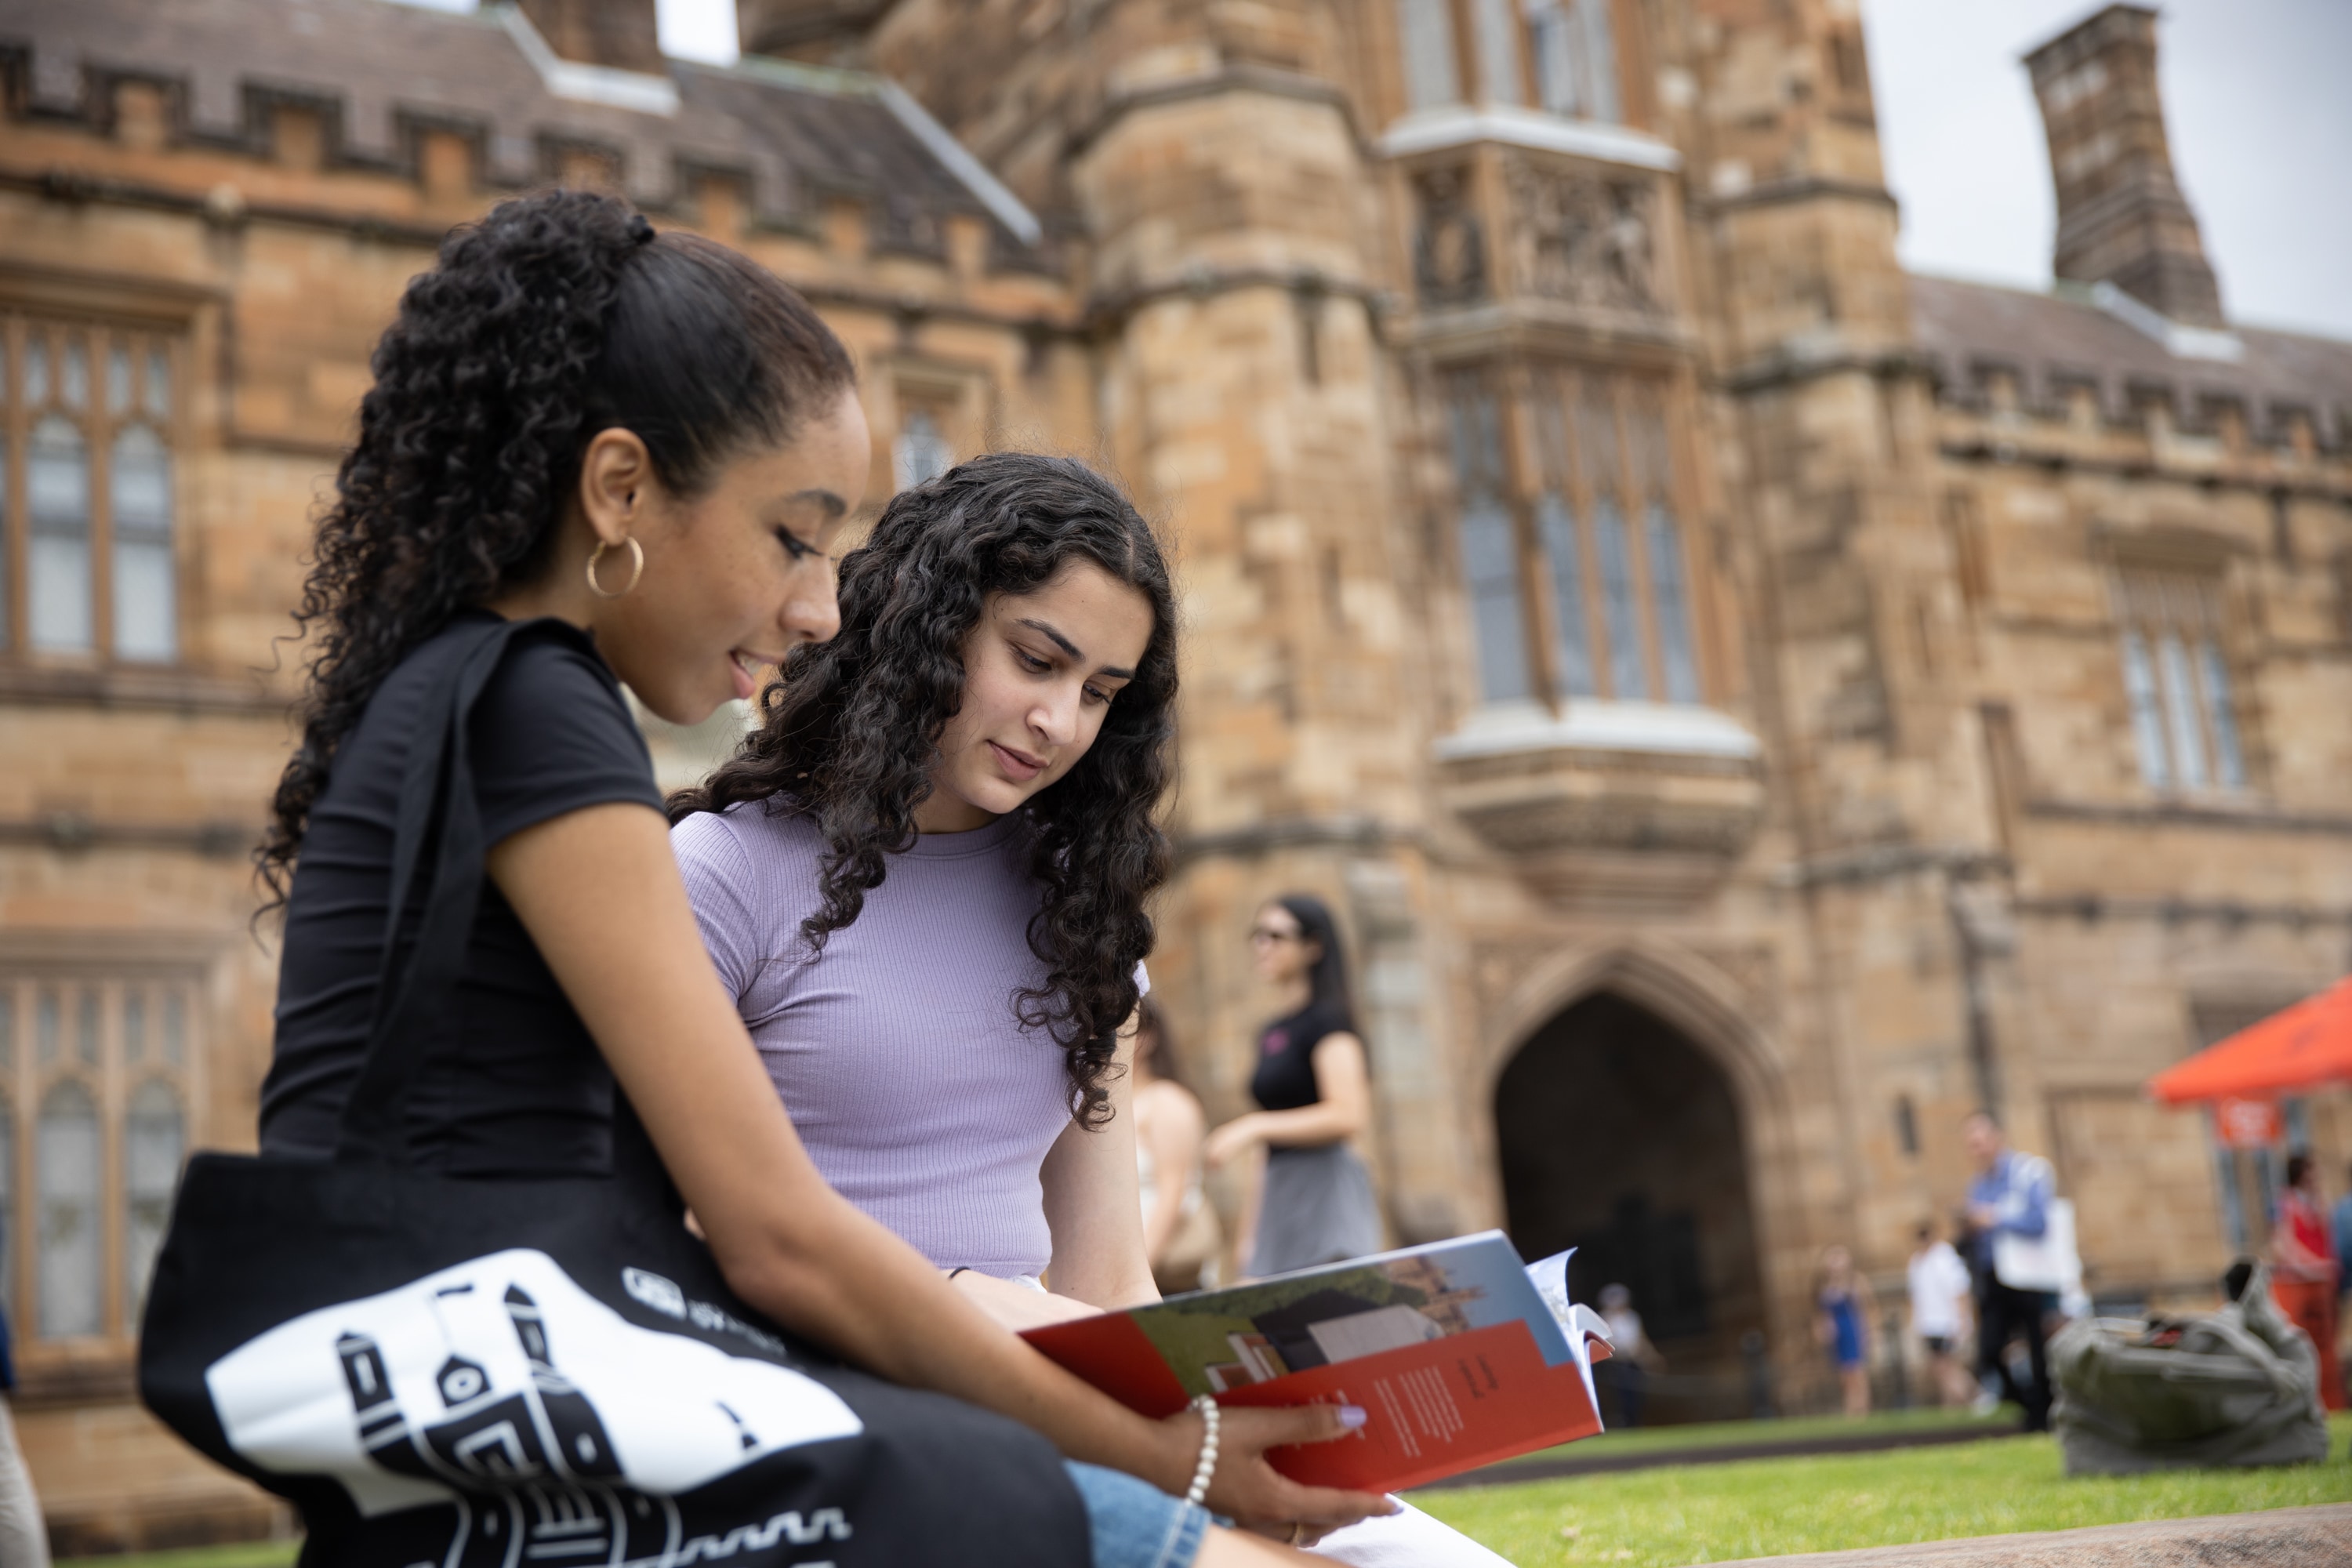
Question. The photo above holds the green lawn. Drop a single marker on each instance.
(246, 1554)
(1757, 1507)
(1720, 1434)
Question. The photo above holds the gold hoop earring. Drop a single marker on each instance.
(636, 569)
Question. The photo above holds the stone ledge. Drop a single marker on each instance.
(2317, 1537)
(1610, 805)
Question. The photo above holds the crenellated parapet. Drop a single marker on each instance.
(480, 104)
(2087, 379)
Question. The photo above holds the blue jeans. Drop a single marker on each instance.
(1133, 1524)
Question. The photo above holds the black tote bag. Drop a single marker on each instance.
(491, 1373)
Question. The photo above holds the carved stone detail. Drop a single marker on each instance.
(1583, 239)
(1449, 244)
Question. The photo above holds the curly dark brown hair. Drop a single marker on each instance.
(850, 735)
(558, 316)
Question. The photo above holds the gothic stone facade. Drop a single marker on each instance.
(1748, 706)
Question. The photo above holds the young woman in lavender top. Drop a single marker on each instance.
(923, 881)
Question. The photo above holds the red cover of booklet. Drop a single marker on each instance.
(1460, 1353)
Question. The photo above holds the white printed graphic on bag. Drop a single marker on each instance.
(502, 1373)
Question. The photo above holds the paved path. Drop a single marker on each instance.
(2276, 1537)
(1588, 1460)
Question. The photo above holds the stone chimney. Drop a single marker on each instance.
(821, 32)
(2121, 217)
(619, 34)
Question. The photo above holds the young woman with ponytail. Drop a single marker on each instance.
(630, 456)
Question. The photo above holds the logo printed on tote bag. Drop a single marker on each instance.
(501, 1375)
(662, 1295)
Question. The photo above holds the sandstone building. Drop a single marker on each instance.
(1749, 705)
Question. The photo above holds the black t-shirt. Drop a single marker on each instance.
(1285, 1079)
(519, 1086)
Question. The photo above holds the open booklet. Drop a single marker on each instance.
(1460, 1353)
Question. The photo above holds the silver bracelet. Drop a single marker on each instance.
(1207, 1468)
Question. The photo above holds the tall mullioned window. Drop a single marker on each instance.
(97, 1072)
(921, 453)
(87, 513)
(1590, 541)
(1563, 52)
(1575, 54)
(2184, 716)
(1426, 39)
(1490, 546)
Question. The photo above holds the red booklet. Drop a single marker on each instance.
(1460, 1353)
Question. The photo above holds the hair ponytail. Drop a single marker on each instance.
(558, 316)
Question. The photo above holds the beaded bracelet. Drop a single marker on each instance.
(1207, 1468)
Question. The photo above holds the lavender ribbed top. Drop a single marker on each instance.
(896, 1049)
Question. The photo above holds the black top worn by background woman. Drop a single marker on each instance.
(1285, 1079)
(1317, 1207)
(519, 1084)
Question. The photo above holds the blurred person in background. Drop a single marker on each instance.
(1940, 1287)
(1181, 1233)
(2343, 1238)
(1841, 1312)
(1314, 1202)
(1632, 1356)
(2341, 1235)
(2011, 1196)
(24, 1539)
(2305, 1269)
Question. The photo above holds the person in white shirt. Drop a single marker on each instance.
(1632, 1356)
(1941, 1309)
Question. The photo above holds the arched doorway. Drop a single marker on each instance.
(1622, 1138)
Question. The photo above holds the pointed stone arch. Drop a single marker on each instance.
(1684, 988)
(1718, 1016)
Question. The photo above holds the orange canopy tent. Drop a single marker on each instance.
(2308, 1045)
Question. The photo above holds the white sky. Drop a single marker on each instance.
(690, 29)
(2256, 95)
(698, 30)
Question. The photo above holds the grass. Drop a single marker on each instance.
(242, 1555)
(1726, 1434)
(1758, 1508)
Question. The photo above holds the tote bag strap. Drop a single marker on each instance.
(416, 980)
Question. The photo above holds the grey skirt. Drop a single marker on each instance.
(1318, 1208)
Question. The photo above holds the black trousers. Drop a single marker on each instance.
(1625, 1380)
(2002, 1315)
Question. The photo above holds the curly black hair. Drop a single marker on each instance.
(558, 316)
(850, 735)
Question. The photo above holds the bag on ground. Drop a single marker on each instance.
(2238, 1386)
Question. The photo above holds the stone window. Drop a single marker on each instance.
(104, 1063)
(1495, 25)
(1587, 545)
(1558, 55)
(1425, 36)
(1575, 55)
(88, 568)
(2177, 682)
(921, 452)
(1491, 555)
